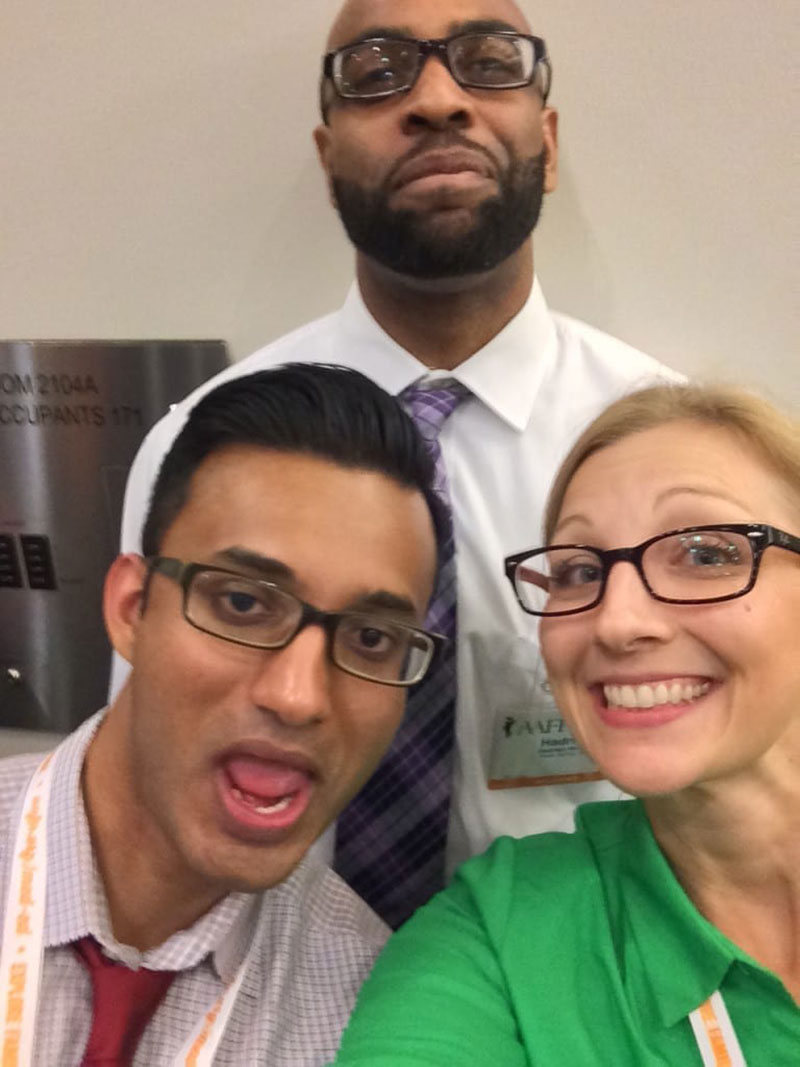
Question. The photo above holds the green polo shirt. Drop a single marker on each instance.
(565, 950)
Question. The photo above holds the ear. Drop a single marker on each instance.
(322, 140)
(550, 139)
(122, 602)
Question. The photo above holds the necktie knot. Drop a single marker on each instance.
(430, 406)
(123, 1002)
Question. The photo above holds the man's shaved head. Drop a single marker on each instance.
(356, 16)
(440, 179)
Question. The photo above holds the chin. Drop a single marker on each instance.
(646, 778)
(252, 878)
(235, 867)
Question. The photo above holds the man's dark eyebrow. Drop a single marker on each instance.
(381, 601)
(384, 601)
(403, 33)
(265, 566)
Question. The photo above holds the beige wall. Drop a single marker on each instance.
(157, 176)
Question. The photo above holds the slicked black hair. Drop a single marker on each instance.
(331, 412)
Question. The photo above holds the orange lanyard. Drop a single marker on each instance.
(715, 1036)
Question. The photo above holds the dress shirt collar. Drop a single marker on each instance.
(505, 374)
(372, 351)
(678, 958)
(76, 900)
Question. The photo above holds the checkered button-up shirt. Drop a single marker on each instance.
(315, 944)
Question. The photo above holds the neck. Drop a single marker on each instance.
(443, 322)
(734, 846)
(149, 898)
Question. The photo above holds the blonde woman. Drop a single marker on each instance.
(666, 929)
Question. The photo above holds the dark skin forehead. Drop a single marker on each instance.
(360, 19)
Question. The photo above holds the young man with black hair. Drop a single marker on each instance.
(273, 626)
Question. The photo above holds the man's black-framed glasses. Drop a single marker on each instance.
(693, 565)
(383, 66)
(259, 614)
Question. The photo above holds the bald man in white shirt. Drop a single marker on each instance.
(438, 145)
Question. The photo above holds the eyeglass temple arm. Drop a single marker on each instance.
(783, 540)
(527, 574)
(514, 568)
(167, 565)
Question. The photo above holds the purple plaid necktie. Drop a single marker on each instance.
(390, 840)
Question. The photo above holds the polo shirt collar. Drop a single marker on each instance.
(666, 926)
(505, 374)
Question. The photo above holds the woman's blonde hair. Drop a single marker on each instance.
(772, 435)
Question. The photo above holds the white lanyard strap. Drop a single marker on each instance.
(21, 956)
(714, 1033)
(23, 939)
(200, 1048)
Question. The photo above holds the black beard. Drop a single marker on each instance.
(407, 243)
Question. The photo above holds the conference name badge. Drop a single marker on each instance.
(531, 745)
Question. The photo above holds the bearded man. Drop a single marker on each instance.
(438, 145)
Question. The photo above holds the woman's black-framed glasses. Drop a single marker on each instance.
(383, 66)
(693, 565)
(259, 614)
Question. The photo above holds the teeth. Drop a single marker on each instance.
(651, 696)
(270, 809)
(645, 697)
(262, 809)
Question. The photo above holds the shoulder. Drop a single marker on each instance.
(316, 944)
(509, 926)
(306, 344)
(608, 355)
(521, 870)
(336, 914)
(549, 874)
(313, 342)
(317, 918)
(15, 773)
(492, 898)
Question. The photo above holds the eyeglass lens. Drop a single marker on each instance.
(379, 68)
(252, 612)
(697, 565)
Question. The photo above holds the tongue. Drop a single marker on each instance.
(265, 779)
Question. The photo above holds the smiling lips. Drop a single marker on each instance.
(655, 694)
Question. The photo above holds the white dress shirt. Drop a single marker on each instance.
(315, 942)
(534, 386)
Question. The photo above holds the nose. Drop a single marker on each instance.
(293, 683)
(437, 101)
(628, 616)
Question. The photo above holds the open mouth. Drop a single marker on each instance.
(263, 795)
(257, 803)
(669, 692)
